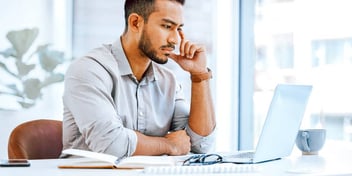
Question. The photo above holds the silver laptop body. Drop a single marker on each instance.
(281, 126)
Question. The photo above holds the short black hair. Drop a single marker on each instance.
(142, 7)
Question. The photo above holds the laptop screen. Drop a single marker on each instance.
(283, 121)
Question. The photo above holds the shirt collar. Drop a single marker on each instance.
(124, 66)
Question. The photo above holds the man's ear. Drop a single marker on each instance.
(135, 22)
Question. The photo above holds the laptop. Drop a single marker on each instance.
(281, 125)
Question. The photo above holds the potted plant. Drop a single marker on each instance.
(25, 74)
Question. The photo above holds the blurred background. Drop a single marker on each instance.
(252, 46)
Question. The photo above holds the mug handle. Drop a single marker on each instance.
(305, 137)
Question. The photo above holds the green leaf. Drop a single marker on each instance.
(10, 52)
(32, 88)
(42, 48)
(26, 104)
(22, 40)
(54, 78)
(24, 69)
(50, 59)
(13, 88)
(3, 66)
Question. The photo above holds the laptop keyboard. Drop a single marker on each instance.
(243, 155)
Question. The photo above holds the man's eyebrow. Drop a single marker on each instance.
(172, 22)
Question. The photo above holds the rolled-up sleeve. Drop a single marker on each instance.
(90, 106)
(201, 144)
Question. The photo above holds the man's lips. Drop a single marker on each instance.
(168, 48)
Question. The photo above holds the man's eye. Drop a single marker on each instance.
(167, 26)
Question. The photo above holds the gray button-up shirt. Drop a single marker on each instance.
(104, 104)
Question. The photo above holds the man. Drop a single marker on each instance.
(120, 100)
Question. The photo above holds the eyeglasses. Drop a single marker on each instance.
(203, 159)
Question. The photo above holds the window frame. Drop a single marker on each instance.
(246, 74)
(227, 74)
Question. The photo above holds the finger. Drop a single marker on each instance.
(182, 35)
(182, 47)
(174, 57)
(187, 49)
(193, 49)
(183, 41)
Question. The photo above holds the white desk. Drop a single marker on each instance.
(334, 159)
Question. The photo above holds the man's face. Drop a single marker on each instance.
(161, 33)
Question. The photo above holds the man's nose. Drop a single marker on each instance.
(174, 38)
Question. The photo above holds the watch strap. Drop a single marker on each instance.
(199, 77)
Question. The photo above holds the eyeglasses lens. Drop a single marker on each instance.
(203, 160)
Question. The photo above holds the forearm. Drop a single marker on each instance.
(192, 58)
(174, 143)
(202, 117)
(147, 145)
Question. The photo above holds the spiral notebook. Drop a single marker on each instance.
(206, 169)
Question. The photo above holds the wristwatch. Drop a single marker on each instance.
(201, 76)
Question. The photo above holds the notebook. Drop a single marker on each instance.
(94, 160)
(281, 125)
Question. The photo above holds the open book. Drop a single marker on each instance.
(96, 160)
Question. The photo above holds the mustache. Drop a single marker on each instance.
(168, 46)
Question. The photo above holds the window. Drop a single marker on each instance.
(301, 42)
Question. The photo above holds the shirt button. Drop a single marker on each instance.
(141, 113)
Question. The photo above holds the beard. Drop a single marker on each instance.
(145, 47)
